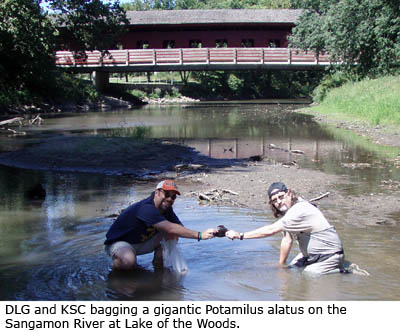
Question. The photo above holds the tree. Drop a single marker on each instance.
(26, 46)
(205, 4)
(364, 35)
(140, 5)
(91, 24)
(164, 4)
(188, 4)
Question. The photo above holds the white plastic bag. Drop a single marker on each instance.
(172, 256)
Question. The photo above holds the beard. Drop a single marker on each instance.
(283, 209)
(165, 205)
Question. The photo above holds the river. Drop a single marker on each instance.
(53, 249)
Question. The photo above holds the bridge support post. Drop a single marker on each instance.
(100, 80)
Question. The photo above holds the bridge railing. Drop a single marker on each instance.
(190, 56)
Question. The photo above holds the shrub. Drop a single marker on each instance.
(332, 80)
(138, 94)
(175, 92)
(156, 93)
(68, 87)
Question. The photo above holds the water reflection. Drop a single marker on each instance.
(144, 284)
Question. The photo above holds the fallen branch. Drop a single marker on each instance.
(15, 132)
(229, 191)
(202, 196)
(8, 130)
(19, 120)
(217, 196)
(37, 119)
(296, 151)
(319, 197)
(11, 121)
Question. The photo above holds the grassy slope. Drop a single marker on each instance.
(375, 102)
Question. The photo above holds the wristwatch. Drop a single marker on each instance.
(241, 235)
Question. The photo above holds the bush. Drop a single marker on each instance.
(332, 80)
(70, 88)
(156, 93)
(175, 92)
(235, 84)
(12, 96)
(64, 88)
(138, 94)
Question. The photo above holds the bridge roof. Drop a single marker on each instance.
(214, 16)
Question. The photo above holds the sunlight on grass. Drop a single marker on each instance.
(376, 102)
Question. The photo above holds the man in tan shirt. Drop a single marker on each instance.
(321, 250)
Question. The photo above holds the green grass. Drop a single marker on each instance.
(375, 102)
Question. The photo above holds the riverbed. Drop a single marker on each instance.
(52, 249)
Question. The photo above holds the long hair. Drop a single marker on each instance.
(293, 199)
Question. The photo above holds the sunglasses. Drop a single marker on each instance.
(169, 195)
(279, 197)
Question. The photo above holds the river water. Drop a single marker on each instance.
(53, 249)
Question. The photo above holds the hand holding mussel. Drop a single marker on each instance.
(221, 230)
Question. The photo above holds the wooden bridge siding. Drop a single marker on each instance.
(181, 59)
(207, 37)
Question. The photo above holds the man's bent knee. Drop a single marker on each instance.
(124, 259)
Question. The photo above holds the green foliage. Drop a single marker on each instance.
(376, 101)
(363, 35)
(212, 83)
(175, 93)
(205, 4)
(332, 80)
(26, 47)
(156, 93)
(188, 4)
(164, 4)
(90, 25)
(138, 93)
(235, 83)
(12, 96)
(255, 84)
(64, 88)
(28, 40)
(140, 5)
(70, 88)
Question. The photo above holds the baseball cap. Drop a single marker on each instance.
(276, 187)
(168, 185)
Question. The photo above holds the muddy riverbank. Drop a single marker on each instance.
(250, 185)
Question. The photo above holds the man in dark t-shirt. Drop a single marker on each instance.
(140, 228)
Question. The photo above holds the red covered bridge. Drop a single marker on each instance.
(209, 28)
(199, 40)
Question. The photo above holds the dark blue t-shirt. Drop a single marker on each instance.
(136, 223)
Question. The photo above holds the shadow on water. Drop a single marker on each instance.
(144, 284)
